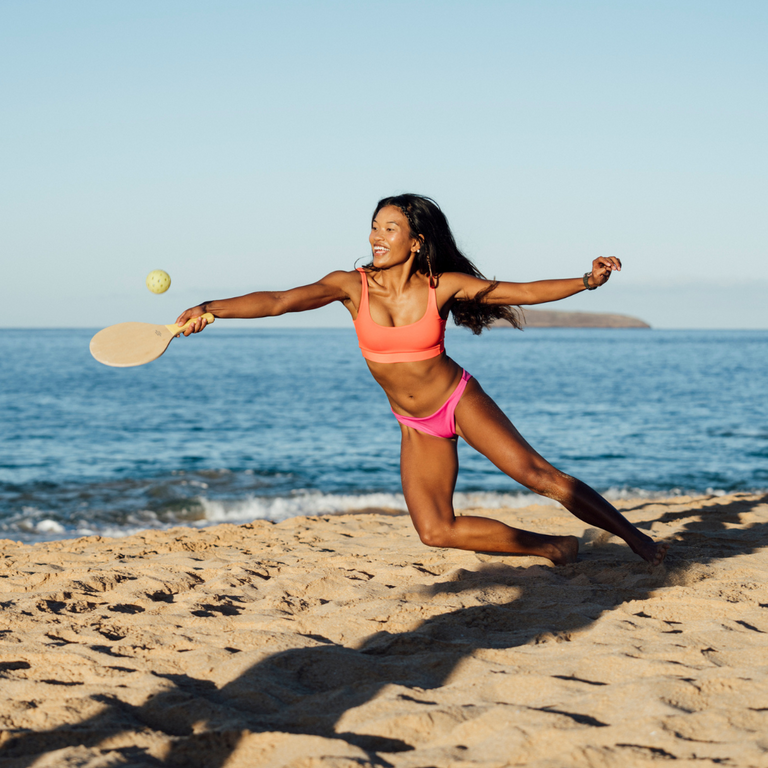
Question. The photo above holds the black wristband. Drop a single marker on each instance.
(586, 282)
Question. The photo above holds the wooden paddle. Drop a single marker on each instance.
(128, 344)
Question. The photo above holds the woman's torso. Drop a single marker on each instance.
(403, 327)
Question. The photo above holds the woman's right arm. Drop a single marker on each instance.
(333, 287)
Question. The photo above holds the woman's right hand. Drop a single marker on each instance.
(195, 313)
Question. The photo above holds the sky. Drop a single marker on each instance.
(242, 146)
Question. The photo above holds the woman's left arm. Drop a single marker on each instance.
(538, 292)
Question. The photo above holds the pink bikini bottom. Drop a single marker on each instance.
(442, 423)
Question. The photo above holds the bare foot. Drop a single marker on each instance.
(651, 551)
(563, 549)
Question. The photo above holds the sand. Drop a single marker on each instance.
(343, 641)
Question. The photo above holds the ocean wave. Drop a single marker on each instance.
(34, 524)
(316, 503)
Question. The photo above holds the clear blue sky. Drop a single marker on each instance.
(242, 146)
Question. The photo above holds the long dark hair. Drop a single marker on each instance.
(439, 253)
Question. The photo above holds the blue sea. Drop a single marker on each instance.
(238, 424)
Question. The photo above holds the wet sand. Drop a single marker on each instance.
(343, 641)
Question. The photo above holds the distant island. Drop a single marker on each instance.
(543, 318)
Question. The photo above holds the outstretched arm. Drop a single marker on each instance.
(270, 303)
(538, 292)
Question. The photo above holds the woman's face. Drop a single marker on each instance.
(391, 239)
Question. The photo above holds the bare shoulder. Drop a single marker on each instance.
(459, 285)
(341, 277)
(346, 281)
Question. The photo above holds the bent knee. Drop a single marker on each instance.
(435, 535)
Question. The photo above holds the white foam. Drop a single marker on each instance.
(309, 503)
(623, 493)
(316, 503)
(49, 526)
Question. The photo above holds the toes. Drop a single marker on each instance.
(661, 553)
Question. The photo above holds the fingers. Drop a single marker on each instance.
(195, 326)
(184, 316)
(607, 263)
(193, 314)
(602, 267)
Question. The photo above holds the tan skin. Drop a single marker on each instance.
(429, 465)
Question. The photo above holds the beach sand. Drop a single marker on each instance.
(343, 641)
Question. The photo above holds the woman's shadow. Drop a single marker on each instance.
(308, 690)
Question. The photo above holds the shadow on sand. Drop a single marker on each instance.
(307, 690)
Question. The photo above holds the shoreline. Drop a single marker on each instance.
(341, 640)
(208, 512)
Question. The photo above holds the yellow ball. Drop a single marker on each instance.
(158, 281)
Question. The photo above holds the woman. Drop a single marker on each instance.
(416, 264)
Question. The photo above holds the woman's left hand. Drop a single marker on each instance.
(602, 267)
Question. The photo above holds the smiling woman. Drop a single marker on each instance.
(399, 304)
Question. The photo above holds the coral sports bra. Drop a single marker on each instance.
(402, 344)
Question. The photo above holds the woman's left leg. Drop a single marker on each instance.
(487, 429)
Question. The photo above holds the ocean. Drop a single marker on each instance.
(237, 424)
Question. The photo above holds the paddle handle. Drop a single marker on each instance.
(174, 329)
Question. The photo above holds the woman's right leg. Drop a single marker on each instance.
(487, 429)
(428, 467)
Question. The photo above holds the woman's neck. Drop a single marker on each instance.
(395, 279)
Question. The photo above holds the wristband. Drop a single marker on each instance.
(586, 282)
